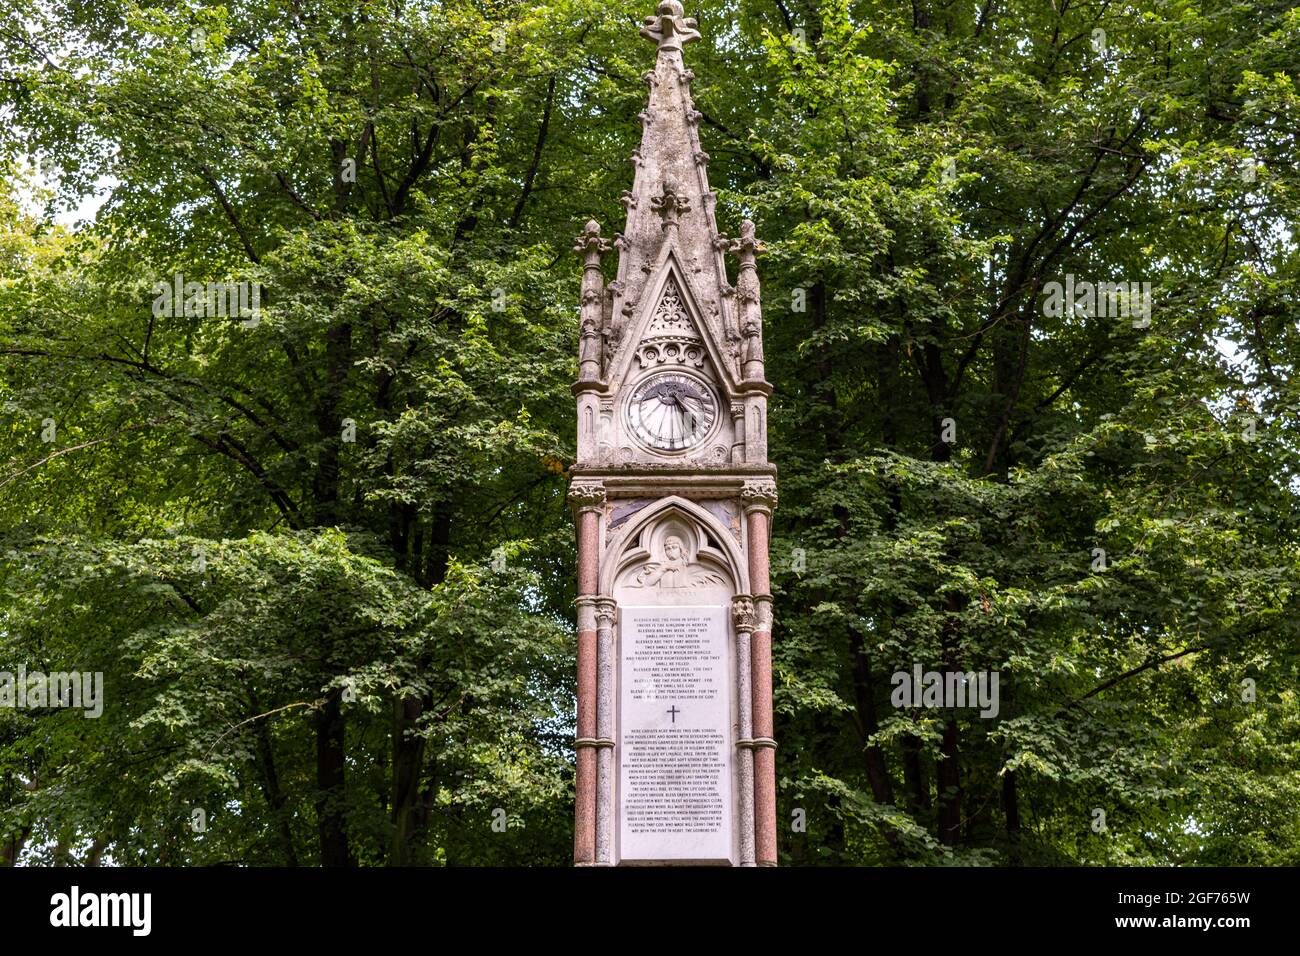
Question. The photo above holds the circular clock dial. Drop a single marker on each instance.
(671, 411)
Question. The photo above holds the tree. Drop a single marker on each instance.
(318, 548)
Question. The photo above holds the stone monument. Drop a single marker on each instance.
(673, 495)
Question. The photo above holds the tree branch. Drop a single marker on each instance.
(537, 154)
(71, 448)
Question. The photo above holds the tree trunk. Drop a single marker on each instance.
(331, 796)
(409, 814)
(1011, 809)
(882, 788)
(270, 783)
(325, 483)
(96, 853)
(916, 786)
(408, 762)
(12, 848)
(948, 780)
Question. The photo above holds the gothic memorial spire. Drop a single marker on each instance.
(674, 496)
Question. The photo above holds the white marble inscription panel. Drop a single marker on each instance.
(674, 782)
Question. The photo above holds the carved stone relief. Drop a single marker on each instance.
(674, 570)
(673, 562)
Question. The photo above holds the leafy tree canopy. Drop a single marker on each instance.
(320, 551)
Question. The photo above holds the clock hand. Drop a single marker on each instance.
(662, 412)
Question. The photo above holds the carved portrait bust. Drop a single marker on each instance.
(675, 571)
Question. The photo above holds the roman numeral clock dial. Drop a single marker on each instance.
(671, 412)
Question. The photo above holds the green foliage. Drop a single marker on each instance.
(323, 560)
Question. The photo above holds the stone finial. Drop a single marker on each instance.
(746, 248)
(590, 242)
(748, 245)
(747, 296)
(671, 203)
(591, 247)
(668, 28)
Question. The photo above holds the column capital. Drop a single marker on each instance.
(763, 613)
(743, 615)
(606, 612)
(759, 494)
(587, 495)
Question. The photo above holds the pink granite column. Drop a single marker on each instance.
(589, 499)
(759, 498)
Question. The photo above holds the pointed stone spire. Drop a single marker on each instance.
(670, 203)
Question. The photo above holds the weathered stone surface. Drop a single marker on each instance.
(671, 307)
(674, 493)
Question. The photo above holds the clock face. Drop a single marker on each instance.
(672, 412)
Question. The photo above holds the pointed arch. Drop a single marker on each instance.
(717, 542)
